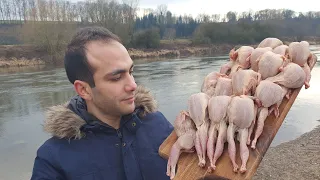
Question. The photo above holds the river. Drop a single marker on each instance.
(25, 93)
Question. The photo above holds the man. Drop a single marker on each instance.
(111, 129)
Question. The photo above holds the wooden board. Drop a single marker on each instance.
(187, 167)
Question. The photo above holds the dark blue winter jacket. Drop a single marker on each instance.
(84, 148)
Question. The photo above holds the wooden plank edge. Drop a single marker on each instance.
(165, 143)
(250, 173)
(278, 123)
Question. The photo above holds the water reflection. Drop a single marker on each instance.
(24, 97)
(25, 93)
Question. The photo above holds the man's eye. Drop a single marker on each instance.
(131, 72)
(116, 78)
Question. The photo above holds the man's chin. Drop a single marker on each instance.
(129, 109)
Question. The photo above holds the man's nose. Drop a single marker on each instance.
(131, 84)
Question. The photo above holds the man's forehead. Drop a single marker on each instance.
(102, 55)
(101, 50)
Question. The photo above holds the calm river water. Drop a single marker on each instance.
(25, 93)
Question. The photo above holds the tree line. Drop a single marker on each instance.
(51, 23)
(246, 27)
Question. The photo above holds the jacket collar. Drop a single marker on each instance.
(71, 120)
(131, 121)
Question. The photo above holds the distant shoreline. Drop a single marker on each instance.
(28, 55)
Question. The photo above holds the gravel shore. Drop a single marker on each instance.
(297, 159)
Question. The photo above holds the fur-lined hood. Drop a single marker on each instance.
(62, 122)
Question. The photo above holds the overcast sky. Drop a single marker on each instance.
(194, 7)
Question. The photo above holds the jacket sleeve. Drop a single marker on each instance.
(45, 167)
(167, 127)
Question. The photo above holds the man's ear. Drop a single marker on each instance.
(83, 89)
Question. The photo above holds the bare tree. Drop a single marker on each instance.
(43, 11)
(215, 18)
(57, 10)
(130, 11)
(91, 10)
(19, 5)
(24, 10)
(288, 14)
(7, 10)
(162, 9)
(13, 9)
(204, 18)
(161, 12)
(232, 16)
(64, 10)
(2, 13)
(33, 10)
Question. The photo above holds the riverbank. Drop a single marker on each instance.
(28, 55)
(180, 51)
(14, 62)
(22, 55)
(25, 55)
(294, 160)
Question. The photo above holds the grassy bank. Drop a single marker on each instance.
(20, 62)
(28, 55)
(22, 55)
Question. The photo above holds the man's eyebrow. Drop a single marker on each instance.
(118, 71)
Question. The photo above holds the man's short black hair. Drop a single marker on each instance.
(75, 60)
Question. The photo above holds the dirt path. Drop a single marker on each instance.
(297, 159)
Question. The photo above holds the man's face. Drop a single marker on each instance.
(113, 93)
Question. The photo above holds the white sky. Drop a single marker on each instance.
(195, 7)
